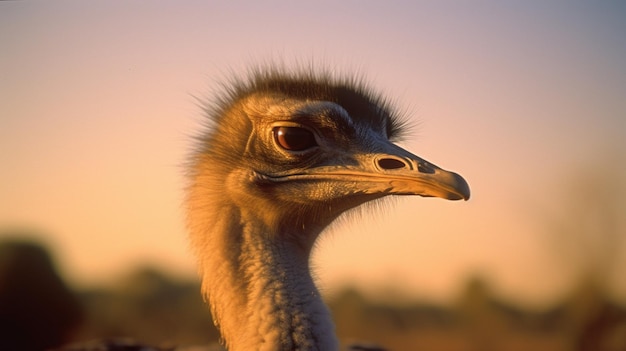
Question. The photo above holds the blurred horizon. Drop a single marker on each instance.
(526, 101)
(147, 306)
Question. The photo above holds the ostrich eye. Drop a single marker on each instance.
(294, 138)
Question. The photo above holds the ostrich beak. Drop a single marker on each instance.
(415, 176)
(408, 174)
(389, 171)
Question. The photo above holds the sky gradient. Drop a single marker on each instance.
(527, 101)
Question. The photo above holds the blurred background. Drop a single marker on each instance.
(526, 100)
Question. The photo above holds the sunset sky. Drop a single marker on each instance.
(527, 101)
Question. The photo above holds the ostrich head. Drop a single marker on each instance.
(285, 154)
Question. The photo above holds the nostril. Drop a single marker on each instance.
(390, 163)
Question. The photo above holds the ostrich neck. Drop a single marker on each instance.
(261, 291)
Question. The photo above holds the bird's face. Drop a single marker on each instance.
(310, 159)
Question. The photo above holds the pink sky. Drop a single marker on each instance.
(96, 110)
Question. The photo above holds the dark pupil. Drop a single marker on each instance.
(294, 138)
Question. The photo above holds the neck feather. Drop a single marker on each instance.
(260, 288)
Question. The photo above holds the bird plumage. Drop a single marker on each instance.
(285, 154)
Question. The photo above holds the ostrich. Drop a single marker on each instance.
(285, 154)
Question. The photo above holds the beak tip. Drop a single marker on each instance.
(462, 188)
(466, 193)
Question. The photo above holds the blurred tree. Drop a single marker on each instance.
(37, 310)
(149, 306)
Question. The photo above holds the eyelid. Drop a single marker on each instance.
(290, 124)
